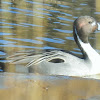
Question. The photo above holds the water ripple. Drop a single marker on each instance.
(70, 38)
(2, 53)
(38, 3)
(4, 10)
(32, 11)
(55, 11)
(26, 40)
(2, 33)
(21, 24)
(83, 4)
(66, 19)
(64, 6)
(98, 13)
(63, 31)
(24, 46)
(6, 42)
(61, 23)
(55, 40)
(27, 24)
(6, 27)
(6, 2)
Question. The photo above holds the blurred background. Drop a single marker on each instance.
(27, 25)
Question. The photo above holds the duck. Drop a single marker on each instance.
(60, 62)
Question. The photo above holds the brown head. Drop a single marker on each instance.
(83, 27)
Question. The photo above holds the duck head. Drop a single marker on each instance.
(83, 27)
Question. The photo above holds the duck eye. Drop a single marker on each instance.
(89, 22)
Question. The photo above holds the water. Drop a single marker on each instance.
(38, 25)
(27, 25)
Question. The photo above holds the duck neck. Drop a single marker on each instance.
(87, 50)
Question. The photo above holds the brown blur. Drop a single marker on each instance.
(21, 87)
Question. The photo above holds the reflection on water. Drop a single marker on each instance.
(27, 25)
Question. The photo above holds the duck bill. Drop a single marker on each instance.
(98, 26)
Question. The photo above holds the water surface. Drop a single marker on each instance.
(27, 25)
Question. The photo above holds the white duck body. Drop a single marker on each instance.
(58, 62)
(70, 69)
(78, 67)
